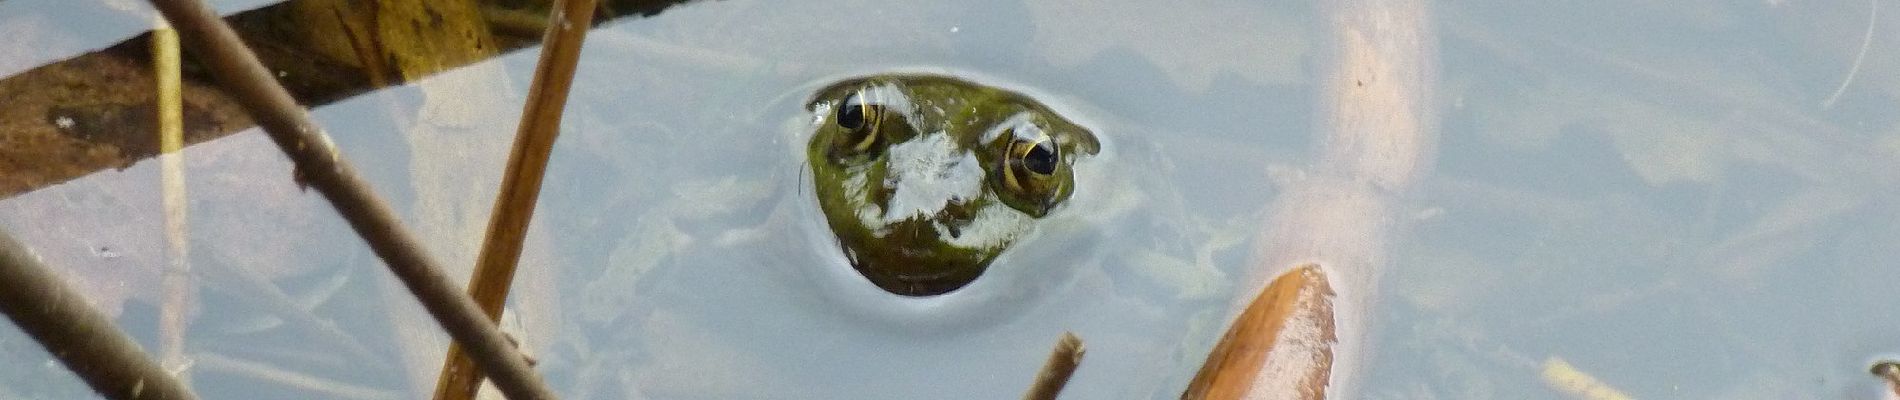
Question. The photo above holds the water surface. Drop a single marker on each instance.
(1669, 198)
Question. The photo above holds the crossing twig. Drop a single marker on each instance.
(320, 166)
(521, 182)
(1056, 372)
(78, 335)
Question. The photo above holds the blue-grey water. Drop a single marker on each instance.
(1680, 200)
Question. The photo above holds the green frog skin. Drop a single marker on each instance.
(925, 179)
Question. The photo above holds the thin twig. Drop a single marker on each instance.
(78, 335)
(521, 181)
(1056, 372)
(1873, 15)
(512, 22)
(254, 288)
(1560, 375)
(320, 166)
(176, 283)
(329, 388)
(365, 47)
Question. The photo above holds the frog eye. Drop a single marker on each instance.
(1038, 157)
(1030, 171)
(859, 119)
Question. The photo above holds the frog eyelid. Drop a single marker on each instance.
(1021, 150)
(1009, 178)
(864, 127)
(1016, 163)
(874, 119)
(1050, 156)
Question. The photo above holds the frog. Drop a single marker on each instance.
(713, 222)
(925, 179)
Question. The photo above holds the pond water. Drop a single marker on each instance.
(1673, 199)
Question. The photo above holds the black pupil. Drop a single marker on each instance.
(851, 113)
(1041, 158)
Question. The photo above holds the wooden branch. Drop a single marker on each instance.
(521, 182)
(79, 336)
(1056, 372)
(319, 166)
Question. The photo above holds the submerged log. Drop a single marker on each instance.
(90, 112)
(1291, 325)
(1329, 232)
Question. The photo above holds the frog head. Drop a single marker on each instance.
(925, 179)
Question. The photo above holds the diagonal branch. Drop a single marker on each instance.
(521, 182)
(320, 166)
(1056, 371)
(81, 337)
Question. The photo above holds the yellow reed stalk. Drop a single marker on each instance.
(176, 283)
(1560, 375)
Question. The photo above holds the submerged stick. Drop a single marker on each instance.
(1056, 372)
(521, 182)
(254, 288)
(79, 336)
(1333, 224)
(326, 387)
(1281, 344)
(320, 166)
(1560, 375)
(1873, 16)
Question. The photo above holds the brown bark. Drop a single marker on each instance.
(1281, 322)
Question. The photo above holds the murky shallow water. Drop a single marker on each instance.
(749, 298)
(1656, 196)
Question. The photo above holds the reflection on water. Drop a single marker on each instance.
(1653, 194)
(721, 284)
(45, 31)
(1658, 195)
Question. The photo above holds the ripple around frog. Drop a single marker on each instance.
(1006, 290)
